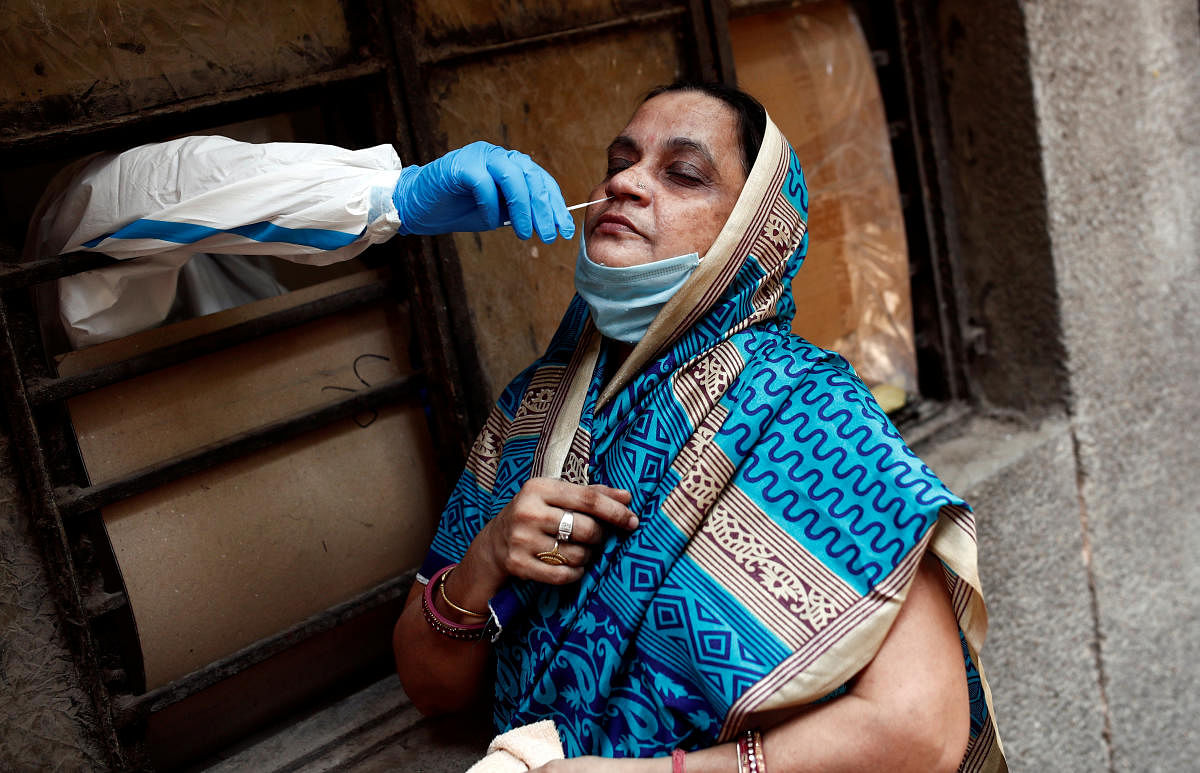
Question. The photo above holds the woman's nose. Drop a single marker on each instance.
(628, 184)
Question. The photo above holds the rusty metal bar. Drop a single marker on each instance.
(704, 64)
(710, 37)
(131, 707)
(433, 270)
(47, 390)
(452, 54)
(15, 275)
(755, 7)
(50, 136)
(942, 371)
(718, 19)
(73, 500)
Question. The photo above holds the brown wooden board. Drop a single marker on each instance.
(67, 61)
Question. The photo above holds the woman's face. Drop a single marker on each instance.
(675, 173)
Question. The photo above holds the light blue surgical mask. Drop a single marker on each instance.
(624, 300)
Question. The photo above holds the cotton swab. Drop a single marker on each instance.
(572, 207)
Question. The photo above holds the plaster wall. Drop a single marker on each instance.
(1117, 90)
(1040, 655)
(996, 207)
(1074, 183)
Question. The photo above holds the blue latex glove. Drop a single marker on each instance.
(478, 187)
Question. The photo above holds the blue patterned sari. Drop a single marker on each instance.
(782, 517)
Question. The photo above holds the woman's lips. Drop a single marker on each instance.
(615, 224)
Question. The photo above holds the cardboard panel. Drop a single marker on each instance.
(159, 415)
(562, 106)
(811, 68)
(216, 561)
(220, 559)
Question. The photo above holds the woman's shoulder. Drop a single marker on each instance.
(793, 374)
(797, 359)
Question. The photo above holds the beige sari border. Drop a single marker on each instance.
(564, 412)
(831, 657)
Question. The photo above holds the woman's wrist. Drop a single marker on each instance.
(474, 581)
(451, 627)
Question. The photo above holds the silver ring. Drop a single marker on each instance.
(566, 525)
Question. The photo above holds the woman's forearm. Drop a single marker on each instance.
(908, 710)
(439, 674)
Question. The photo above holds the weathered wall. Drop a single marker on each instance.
(1074, 155)
(1039, 657)
(997, 200)
(1118, 104)
(44, 712)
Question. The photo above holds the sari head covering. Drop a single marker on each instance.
(782, 517)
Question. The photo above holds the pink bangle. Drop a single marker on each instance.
(677, 761)
(439, 622)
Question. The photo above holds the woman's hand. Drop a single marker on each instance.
(441, 674)
(510, 543)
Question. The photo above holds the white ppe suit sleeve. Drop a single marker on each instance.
(163, 203)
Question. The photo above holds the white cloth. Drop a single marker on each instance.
(521, 749)
(162, 204)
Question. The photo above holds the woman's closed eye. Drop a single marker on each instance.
(686, 174)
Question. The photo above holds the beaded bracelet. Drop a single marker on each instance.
(750, 753)
(677, 757)
(759, 756)
(442, 624)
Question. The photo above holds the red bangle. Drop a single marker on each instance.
(439, 622)
(677, 761)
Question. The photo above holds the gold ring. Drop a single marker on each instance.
(552, 557)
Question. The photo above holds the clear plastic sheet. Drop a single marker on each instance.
(812, 70)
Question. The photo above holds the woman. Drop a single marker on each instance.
(684, 531)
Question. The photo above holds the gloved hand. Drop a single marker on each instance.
(478, 187)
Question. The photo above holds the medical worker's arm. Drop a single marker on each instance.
(314, 204)
(477, 188)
